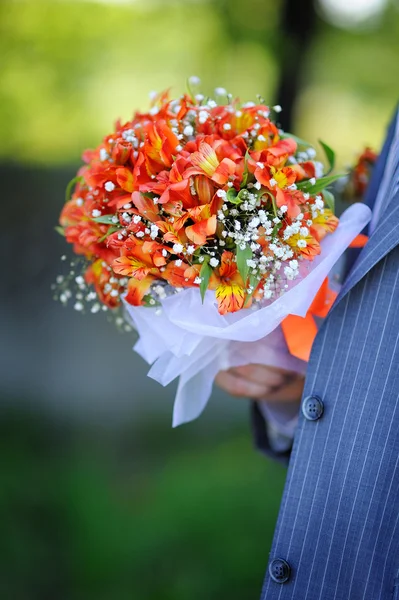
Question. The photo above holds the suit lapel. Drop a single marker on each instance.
(352, 254)
(385, 236)
(382, 241)
(376, 178)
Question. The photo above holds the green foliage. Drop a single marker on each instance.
(243, 255)
(329, 200)
(330, 154)
(70, 187)
(299, 141)
(60, 230)
(70, 69)
(96, 515)
(104, 219)
(109, 232)
(320, 184)
(232, 196)
(205, 274)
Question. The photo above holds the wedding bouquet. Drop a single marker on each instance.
(211, 227)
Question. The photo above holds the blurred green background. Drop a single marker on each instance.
(99, 497)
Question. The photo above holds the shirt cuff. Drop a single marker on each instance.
(281, 420)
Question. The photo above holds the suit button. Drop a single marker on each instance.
(279, 570)
(312, 408)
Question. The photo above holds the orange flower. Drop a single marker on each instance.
(307, 245)
(145, 206)
(305, 170)
(275, 178)
(160, 146)
(228, 285)
(137, 289)
(292, 199)
(181, 274)
(206, 162)
(323, 224)
(99, 275)
(204, 226)
(124, 177)
(135, 263)
(199, 232)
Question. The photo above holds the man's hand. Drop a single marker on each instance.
(262, 383)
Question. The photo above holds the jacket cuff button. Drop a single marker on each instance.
(312, 408)
(279, 570)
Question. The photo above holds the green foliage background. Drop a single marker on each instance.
(69, 69)
(155, 514)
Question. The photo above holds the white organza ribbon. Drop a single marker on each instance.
(191, 340)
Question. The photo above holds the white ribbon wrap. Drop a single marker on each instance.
(191, 340)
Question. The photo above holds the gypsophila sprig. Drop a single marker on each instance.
(197, 192)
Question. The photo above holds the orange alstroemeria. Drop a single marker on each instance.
(136, 262)
(291, 199)
(305, 170)
(310, 250)
(132, 266)
(199, 232)
(160, 146)
(173, 233)
(121, 152)
(275, 178)
(124, 177)
(323, 224)
(99, 276)
(228, 285)
(159, 252)
(145, 206)
(181, 274)
(279, 152)
(205, 189)
(204, 226)
(206, 162)
(137, 289)
(268, 135)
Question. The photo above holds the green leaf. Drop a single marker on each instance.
(232, 196)
(265, 192)
(60, 230)
(276, 228)
(329, 200)
(205, 274)
(323, 182)
(71, 184)
(104, 219)
(298, 140)
(110, 230)
(330, 154)
(150, 302)
(253, 282)
(242, 257)
(246, 172)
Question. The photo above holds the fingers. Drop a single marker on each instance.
(260, 382)
(241, 387)
(261, 374)
(291, 392)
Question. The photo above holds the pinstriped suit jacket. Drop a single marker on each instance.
(338, 527)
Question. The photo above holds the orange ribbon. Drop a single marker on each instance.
(300, 332)
(359, 242)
